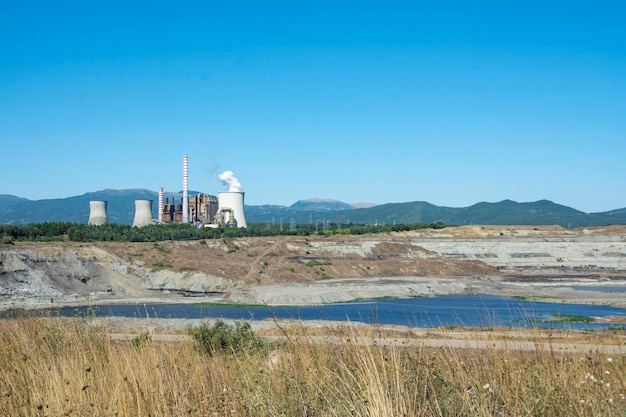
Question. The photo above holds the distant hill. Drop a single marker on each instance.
(7, 200)
(121, 207)
(505, 212)
(363, 205)
(320, 204)
(541, 212)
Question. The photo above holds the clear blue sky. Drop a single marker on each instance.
(451, 102)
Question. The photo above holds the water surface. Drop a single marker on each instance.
(455, 310)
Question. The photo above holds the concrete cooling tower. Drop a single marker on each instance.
(98, 213)
(143, 213)
(231, 203)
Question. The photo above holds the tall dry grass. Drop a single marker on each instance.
(56, 368)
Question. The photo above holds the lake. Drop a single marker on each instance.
(599, 288)
(454, 310)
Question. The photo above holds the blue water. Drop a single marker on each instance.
(459, 310)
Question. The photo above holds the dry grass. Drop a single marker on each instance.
(56, 368)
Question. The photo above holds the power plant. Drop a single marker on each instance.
(201, 210)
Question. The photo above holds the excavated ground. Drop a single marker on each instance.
(527, 261)
(284, 259)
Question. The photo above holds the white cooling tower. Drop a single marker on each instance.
(232, 200)
(98, 213)
(143, 213)
(185, 218)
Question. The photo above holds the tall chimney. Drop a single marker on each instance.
(185, 218)
(160, 215)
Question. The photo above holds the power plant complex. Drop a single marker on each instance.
(201, 210)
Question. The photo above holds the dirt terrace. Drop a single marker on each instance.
(297, 259)
(500, 260)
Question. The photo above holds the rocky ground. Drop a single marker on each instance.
(525, 261)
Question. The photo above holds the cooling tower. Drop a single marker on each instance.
(232, 200)
(98, 213)
(185, 218)
(143, 213)
(160, 215)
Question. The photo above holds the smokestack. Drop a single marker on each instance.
(98, 213)
(160, 215)
(143, 213)
(185, 218)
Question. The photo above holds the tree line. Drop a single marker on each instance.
(112, 232)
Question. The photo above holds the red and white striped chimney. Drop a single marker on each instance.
(185, 218)
(160, 215)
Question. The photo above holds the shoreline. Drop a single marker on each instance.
(348, 290)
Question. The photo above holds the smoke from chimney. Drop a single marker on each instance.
(228, 178)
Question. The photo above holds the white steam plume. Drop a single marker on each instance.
(228, 178)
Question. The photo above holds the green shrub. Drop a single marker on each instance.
(141, 339)
(316, 263)
(225, 338)
(186, 268)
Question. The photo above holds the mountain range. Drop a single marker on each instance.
(121, 207)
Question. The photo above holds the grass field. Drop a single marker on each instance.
(51, 367)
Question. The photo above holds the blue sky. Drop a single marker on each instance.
(451, 102)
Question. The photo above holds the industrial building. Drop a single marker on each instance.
(201, 210)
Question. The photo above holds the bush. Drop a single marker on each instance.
(7, 240)
(141, 339)
(225, 338)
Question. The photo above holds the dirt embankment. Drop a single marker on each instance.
(302, 270)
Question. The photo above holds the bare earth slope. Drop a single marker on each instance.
(303, 270)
